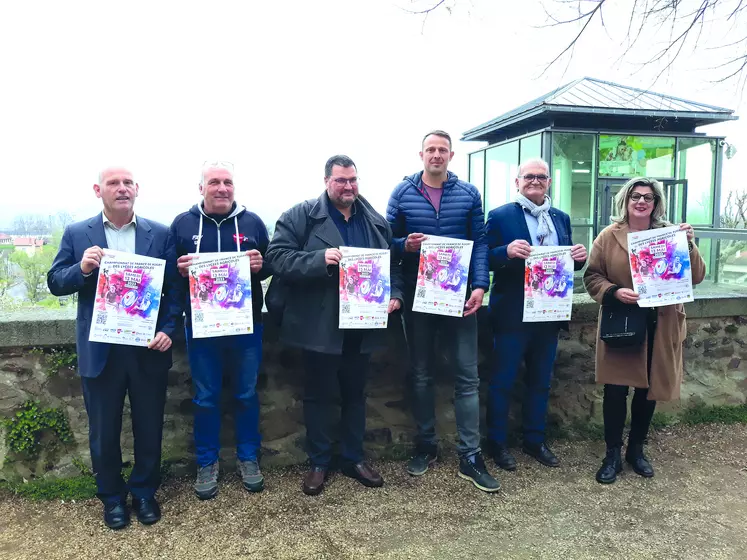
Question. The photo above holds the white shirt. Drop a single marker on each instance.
(120, 239)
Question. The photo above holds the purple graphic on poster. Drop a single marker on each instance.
(548, 284)
(660, 266)
(128, 297)
(220, 289)
(443, 272)
(364, 288)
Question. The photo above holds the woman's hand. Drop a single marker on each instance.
(687, 228)
(626, 295)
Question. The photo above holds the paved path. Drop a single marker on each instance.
(695, 508)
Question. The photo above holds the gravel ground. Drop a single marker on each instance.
(694, 508)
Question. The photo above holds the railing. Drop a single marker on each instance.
(725, 254)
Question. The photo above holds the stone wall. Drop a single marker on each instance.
(715, 373)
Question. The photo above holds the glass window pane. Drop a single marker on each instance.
(696, 158)
(477, 171)
(530, 147)
(636, 156)
(502, 166)
(573, 177)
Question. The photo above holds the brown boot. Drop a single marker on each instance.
(313, 482)
(363, 473)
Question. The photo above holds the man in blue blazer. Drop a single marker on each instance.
(512, 230)
(110, 371)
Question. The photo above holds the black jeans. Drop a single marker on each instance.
(615, 404)
(327, 376)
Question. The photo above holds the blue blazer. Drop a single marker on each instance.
(506, 224)
(65, 277)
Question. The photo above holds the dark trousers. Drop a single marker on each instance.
(615, 408)
(128, 371)
(536, 345)
(327, 376)
(615, 403)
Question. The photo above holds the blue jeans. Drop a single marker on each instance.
(536, 344)
(459, 339)
(238, 358)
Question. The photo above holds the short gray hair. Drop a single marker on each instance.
(534, 161)
(208, 165)
(658, 214)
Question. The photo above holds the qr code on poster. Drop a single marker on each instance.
(421, 293)
(345, 308)
(199, 317)
(530, 304)
(642, 289)
(101, 319)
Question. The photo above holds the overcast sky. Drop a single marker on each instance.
(279, 86)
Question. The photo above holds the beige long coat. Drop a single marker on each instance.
(609, 266)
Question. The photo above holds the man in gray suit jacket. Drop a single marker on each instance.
(111, 371)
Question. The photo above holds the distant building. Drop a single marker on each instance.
(28, 244)
(595, 135)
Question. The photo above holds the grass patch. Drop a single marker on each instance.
(717, 414)
(75, 488)
(663, 420)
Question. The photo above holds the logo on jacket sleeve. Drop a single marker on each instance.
(241, 238)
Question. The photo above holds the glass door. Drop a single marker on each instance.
(676, 192)
(606, 192)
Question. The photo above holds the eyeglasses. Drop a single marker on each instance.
(531, 178)
(648, 198)
(341, 182)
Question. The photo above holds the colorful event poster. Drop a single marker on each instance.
(365, 288)
(128, 296)
(220, 294)
(660, 266)
(442, 276)
(548, 285)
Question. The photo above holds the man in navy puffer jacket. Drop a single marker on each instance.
(217, 225)
(435, 202)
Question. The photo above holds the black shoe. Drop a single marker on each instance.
(502, 456)
(542, 453)
(148, 512)
(611, 466)
(116, 516)
(473, 468)
(363, 473)
(422, 460)
(634, 455)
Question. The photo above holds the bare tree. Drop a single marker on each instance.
(682, 26)
(665, 30)
(63, 219)
(734, 216)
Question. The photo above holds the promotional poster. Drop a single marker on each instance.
(660, 266)
(548, 285)
(128, 296)
(220, 294)
(365, 288)
(442, 276)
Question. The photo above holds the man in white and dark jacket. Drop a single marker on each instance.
(219, 224)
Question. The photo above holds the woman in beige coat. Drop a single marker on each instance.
(654, 367)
